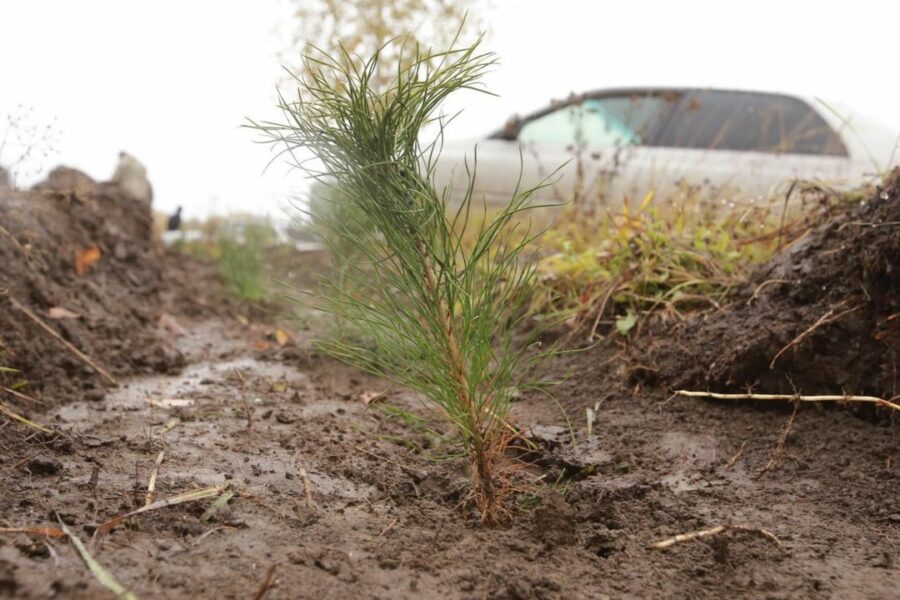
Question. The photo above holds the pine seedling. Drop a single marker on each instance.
(441, 316)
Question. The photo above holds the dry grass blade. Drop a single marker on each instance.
(42, 531)
(25, 254)
(191, 496)
(17, 417)
(20, 395)
(100, 574)
(793, 397)
(217, 505)
(406, 468)
(78, 353)
(151, 486)
(307, 489)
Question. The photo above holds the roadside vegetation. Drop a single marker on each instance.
(606, 270)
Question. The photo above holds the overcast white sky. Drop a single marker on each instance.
(171, 82)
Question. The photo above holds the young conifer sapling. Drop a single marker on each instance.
(435, 314)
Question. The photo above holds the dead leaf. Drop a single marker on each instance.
(168, 323)
(170, 425)
(86, 258)
(242, 320)
(58, 312)
(370, 397)
(261, 345)
(283, 337)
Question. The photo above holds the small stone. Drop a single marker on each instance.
(120, 251)
(284, 418)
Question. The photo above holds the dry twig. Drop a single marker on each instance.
(733, 460)
(793, 397)
(705, 533)
(389, 526)
(782, 440)
(267, 583)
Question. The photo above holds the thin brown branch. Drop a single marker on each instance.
(793, 397)
(266, 584)
(733, 460)
(782, 440)
(611, 288)
(828, 317)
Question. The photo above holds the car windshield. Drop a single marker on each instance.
(588, 123)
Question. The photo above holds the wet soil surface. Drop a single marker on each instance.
(383, 520)
(345, 499)
(78, 257)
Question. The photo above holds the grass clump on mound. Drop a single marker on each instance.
(439, 314)
(667, 257)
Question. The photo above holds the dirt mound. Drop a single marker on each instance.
(821, 316)
(85, 250)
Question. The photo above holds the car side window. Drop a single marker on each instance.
(644, 113)
(747, 121)
(585, 123)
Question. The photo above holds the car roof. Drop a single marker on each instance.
(574, 98)
(865, 138)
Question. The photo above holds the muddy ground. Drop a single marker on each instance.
(377, 518)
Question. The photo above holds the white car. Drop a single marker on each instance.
(624, 143)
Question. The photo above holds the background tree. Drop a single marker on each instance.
(362, 26)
